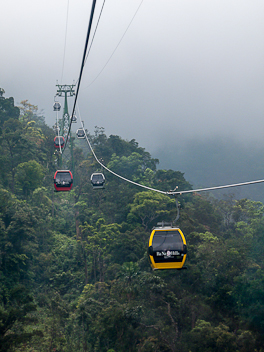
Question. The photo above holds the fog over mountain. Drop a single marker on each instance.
(169, 74)
(215, 162)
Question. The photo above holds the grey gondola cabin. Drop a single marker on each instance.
(80, 133)
(56, 106)
(97, 180)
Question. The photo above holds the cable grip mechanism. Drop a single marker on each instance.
(177, 205)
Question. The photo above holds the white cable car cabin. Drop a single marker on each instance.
(56, 106)
(97, 180)
(80, 133)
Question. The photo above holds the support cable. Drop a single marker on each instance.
(216, 187)
(85, 56)
(115, 47)
(95, 32)
(93, 35)
(81, 70)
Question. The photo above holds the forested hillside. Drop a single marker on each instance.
(74, 268)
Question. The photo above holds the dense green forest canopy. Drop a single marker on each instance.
(74, 268)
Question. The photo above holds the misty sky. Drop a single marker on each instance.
(185, 68)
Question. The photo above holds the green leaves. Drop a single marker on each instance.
(29, 176)
(14, 318)
(207, 338)
(7, 109)
(149, 206)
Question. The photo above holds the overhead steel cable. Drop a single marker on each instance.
(93, 35)
(116, 46)
(82, 66)
(95, 31)
(86, 56)
(216, 187)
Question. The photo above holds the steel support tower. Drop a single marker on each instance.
(66, 90)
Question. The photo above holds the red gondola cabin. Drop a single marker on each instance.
(63, 180)
(59, 142)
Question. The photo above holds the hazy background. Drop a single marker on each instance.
(187, 80)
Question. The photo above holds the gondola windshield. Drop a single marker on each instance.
(63, 179)
(167, 240)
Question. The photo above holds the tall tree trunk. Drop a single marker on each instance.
(80, 238)
(77, 225)
(85, 267)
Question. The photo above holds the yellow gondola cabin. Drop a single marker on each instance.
(167, 248)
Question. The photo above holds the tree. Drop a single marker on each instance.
(15, 319)
(7, 109)
(29, 176)
(149, 206)
(207, 338)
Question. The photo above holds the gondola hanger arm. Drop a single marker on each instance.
(177, 204)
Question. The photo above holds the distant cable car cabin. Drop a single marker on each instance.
(97, 180)
(80, 133)
(74, 118)
(63, 180)
(59, 142)
(167, 248)
(56, 106)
